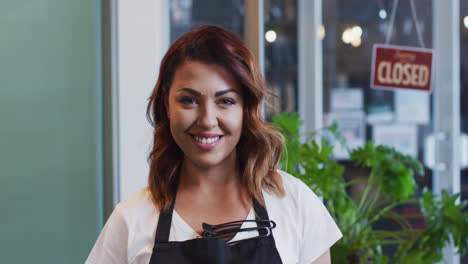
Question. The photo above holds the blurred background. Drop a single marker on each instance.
(75, 77)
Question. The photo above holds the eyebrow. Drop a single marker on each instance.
(217, 94)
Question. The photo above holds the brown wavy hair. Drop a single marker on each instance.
(260, 145)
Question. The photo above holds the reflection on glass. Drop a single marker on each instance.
(281, 55)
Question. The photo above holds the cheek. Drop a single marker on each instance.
(178, 129)
(177, 126)
(180, 121)
(234, 121)
(174, 120)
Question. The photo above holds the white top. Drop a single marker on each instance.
(304, 228)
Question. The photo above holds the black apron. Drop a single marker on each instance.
(213, 250)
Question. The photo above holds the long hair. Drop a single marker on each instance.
(260, 145)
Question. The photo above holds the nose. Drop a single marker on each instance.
(208, 116)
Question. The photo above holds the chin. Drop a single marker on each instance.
(206, 164)
(209, 160)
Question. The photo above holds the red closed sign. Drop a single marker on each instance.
(398, 67)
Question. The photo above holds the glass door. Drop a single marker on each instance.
(398, 118)
(423, 125)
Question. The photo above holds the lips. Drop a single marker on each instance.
(206, 141)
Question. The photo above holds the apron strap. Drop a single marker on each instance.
(260, 211)
(164, 225)
(261, 214)
(165, 216)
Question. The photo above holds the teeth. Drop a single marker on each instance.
(206, 140)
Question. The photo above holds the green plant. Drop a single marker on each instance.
(389, 184)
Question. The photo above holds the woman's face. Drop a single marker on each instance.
(205, 110)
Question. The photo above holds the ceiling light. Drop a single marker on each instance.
(347, 36)
(356, 42)
(383, 14)
(357, 31)
(270, 36)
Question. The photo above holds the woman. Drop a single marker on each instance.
(215, 194)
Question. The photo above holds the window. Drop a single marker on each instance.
(281, 55)
(186, 13)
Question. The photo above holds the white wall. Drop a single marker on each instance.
(142, 40)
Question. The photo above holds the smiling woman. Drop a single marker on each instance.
(215, 193)
(205, 109)
(214, 60)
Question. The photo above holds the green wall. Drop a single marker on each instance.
(50, 130)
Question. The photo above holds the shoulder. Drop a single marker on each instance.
(137, 209)
(128, 232)
(137, 206)
(305, 229)
(298, 197)
(295, 191)
(292, 185)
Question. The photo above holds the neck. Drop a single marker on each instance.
(218, 182)
(225, 173)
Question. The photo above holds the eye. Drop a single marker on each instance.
(186, 100)
(227, 101)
